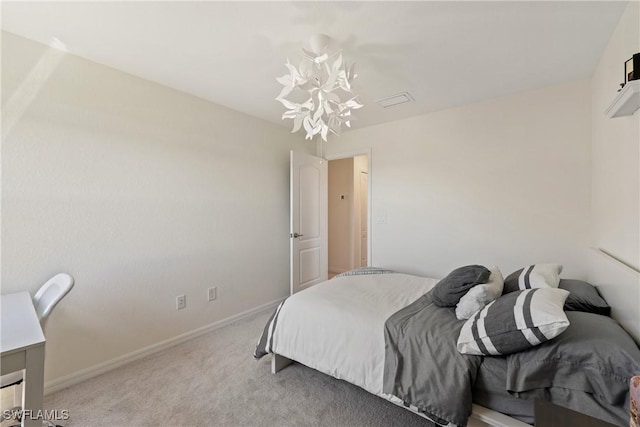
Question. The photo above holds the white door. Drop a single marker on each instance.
(309, 256)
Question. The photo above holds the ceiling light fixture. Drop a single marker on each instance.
(323, 79)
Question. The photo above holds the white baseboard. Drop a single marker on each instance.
(101, 368)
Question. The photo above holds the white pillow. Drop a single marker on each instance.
(532, 277)
(514, 322)
(480, 295)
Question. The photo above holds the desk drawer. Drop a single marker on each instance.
(12, 362)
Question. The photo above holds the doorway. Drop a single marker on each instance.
(348, 213)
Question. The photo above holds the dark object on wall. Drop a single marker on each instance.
(632, 68)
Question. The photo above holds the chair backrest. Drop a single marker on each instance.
(50, 294)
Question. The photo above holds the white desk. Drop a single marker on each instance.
(22, 347)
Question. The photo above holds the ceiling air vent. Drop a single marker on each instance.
(400, 98)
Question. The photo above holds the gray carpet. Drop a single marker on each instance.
(213, 380)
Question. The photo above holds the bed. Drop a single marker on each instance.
(345, 328)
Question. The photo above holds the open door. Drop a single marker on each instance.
(309, 256)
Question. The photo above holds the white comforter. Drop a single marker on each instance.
(337, 326)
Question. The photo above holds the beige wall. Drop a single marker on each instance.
(344, 213)
(615, 207)
(141, 193)
(340, 184)
(504, 182)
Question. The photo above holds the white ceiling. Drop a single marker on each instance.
(444, 54)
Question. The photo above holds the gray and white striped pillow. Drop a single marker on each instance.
(514, 322)
(533, 276)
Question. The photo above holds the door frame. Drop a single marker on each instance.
(350, 154)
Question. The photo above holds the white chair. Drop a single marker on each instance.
(50, 294)
(47, 297)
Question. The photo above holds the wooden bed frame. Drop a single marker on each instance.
(480, 416)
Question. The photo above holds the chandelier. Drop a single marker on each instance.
(321, 83)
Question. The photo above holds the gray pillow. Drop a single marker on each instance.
(594, 355)
(449, 290)
(585, 297)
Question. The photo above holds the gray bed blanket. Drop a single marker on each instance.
(422, 365)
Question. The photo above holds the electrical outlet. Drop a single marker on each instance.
(181, 302)
(211, 293)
